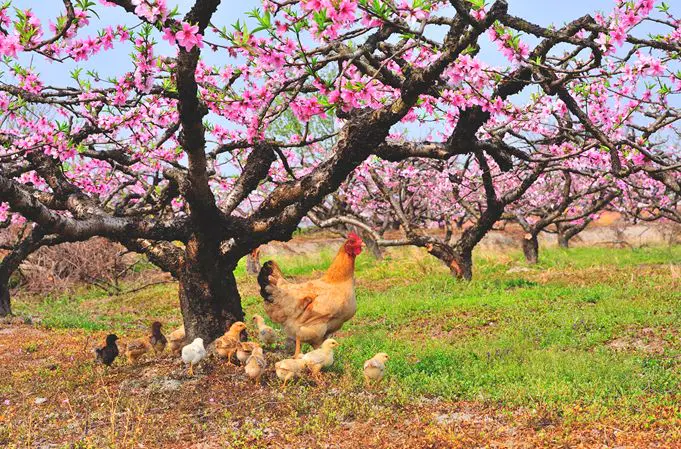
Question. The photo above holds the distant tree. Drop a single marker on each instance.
(563, 202)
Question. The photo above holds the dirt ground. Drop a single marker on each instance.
(53, 396)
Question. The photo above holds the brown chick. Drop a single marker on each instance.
(157, 339)
(177, 340)
(266, 334)
(136, 349)
(228, 344)
(289, 368)
(256, 364)
(374, 368)
(245, 350)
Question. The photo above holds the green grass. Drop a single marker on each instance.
(526, 337)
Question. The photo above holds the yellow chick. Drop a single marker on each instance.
(177, 340)
(266, 334)
(374, 368)
(244, 350)
(256, 364)
(320, 358)
(289, 368)
(228, 344)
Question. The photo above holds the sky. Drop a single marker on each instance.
(117, 62)
(543, 12)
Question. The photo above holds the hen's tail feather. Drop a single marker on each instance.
(269, 268)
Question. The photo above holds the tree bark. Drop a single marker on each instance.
(563, 240)
(464, 261)
(10, 263)
(374, 248)
(531, 248)
(5, 304)
(459, 262)
(208, 292)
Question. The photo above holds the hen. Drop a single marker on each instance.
(311, 311)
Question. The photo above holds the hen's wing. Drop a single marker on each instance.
(284, 300)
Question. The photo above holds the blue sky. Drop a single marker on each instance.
(118, 61)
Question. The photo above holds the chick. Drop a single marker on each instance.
(374, 368)
(177, 340)
(245, 349)
(136, 349)
(157, 339)
(109, 352)
(289, 368)
(266, 334)
(228, 344)
(193, 353)
(256, 364)
(320, 358)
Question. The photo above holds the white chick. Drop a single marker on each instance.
(374, 368)
(193, 353)
(320, 358)
(266, 334)
(289, 368)
(256, 364)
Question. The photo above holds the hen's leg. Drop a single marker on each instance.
(191, 369)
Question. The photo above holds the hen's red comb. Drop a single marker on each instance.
(353, 236)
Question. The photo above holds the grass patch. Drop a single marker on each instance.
(541, 336)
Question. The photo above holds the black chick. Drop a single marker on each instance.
(157, 339)
(108, 353)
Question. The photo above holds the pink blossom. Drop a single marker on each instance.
(188, 37)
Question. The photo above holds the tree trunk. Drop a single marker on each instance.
(563, 240)
(209, 297)
(374, 248)
(5, 304)
(464, 262)
(459, 262)
(531, 248)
